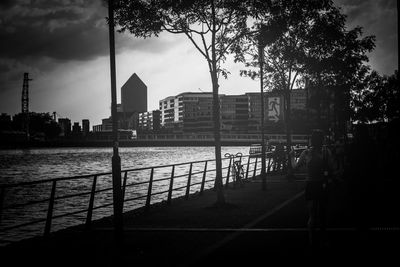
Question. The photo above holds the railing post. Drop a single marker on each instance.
(150, 188)
(50, 209)
(269, 165)
(2, 195)
(229, 172)
(255, 168)
(171, 185)
(124, 188)
(91, 203)
(248, 166)
(204, 178)
(188, 182)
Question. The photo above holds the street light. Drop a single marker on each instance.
(261, 46)
(116, 160)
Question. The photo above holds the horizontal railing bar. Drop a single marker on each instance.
(103, 190)
(100, 174)
(159, 193)
(134, 198)
(138, 183)
(179, 188)
(162, 179)
(176, 164)
(103, 206)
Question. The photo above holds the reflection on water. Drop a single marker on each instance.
(39, 164)
(35, 164)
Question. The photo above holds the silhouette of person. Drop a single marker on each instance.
(319, 164)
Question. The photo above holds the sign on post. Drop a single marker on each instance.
(274, 108)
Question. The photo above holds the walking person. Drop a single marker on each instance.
(319, 164)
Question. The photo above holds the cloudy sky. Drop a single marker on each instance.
(63, 44)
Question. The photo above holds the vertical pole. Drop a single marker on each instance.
(255, 168)
(116, 160)
(188, 182)
(204, 178)
(229, 172)
(171, 185)
(91, 204)
(261, 59)
(50, 209)
(247, 168)
(149, 189)
(124, 188)
(269, 164)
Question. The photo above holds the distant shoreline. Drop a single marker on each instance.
(122, 143)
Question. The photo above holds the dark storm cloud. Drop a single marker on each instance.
(38, 35)
(62, 30)
(379, 18)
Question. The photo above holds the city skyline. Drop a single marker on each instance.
(71, 75)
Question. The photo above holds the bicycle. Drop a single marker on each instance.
(237, 168)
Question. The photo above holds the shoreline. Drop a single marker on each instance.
(122, 143)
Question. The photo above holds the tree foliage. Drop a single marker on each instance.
(378, 99)
(307, 42)
(38, 123)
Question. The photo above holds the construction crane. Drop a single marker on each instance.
(25, 103)
(25, 93)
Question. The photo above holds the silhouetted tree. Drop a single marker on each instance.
(307, 40)
(38, 123)
(289, 31)
(378, 100)
(212, 26)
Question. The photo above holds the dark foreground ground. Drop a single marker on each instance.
(255, 228)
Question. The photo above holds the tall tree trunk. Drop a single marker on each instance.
(288, 122)
(216, 115)
(288, 128)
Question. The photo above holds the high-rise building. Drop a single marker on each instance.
(65, 125)
(134, 95)
(76, 128)
(85, 127)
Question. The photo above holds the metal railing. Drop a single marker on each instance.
(175, 181)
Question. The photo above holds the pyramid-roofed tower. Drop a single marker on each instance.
(134, 95)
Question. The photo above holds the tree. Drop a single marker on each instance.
(287, 34)
(39, 123)
(214, 27)
(377, 99)
(307, 41)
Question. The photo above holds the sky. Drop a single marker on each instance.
(63, 44)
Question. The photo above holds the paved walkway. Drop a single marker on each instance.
(255, 228)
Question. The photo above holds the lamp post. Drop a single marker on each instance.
(116, 160)
(261, 45)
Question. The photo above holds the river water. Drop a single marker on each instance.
(41, 164)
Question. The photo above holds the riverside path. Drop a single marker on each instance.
(254, 228)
